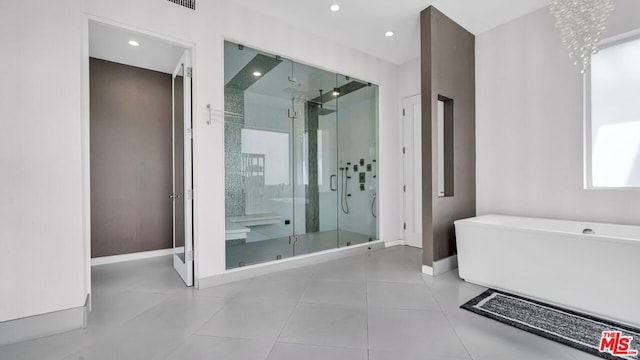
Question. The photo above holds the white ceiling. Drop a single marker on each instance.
(361, 24)
(111, 43)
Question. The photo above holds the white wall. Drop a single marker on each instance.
(43, 260)
(530, 125)
(408, 79)
(41, 244)
(409, 84)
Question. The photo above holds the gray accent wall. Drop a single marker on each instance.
(312, 190)
(447, 69)
(131, 161)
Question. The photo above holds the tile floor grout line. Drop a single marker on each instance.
(229, 337)
(442, 309)
(407, 309)
(366, 281)
(457, 335)
(210, 317)
(322, 346)
(366, 300)
(175, 349)
(306, 284)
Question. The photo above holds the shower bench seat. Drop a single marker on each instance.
(238, 227)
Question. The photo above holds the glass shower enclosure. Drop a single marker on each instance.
(300, 158)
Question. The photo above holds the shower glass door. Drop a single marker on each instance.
(358, 161)
(259, 179)
(300, 158)
(315, 159)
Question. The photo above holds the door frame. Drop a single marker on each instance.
(411, 172)
(85, 157)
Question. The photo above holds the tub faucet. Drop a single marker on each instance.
(588, 231)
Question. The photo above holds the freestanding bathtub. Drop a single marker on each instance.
(597, 272)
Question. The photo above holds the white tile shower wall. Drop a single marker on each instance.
(530, 125)
(41, 136)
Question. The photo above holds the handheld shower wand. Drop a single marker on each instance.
(373, 206)
(344, 177)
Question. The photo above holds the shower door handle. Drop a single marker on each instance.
(331, 182)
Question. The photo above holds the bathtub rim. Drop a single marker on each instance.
(590, 237)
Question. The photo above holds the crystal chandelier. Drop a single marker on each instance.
(581, 23)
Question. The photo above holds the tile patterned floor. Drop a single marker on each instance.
(376, 306)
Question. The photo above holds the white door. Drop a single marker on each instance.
(182, 171)
(412, 170)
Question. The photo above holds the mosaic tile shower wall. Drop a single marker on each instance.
(234, 122)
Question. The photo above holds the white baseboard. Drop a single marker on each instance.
(428, 270)
(252, 271)
(441, 266)
(37, 326)
(129, 257)
(389, 244)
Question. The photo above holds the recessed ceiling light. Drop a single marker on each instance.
(336, 91)
(388, 34)
(257, 73)
(134, 43)
(334, 7)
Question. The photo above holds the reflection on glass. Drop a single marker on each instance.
(273, 148)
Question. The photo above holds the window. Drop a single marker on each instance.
(613, 123)
(273, 147)
(323, 152)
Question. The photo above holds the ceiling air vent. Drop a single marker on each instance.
(191, 4)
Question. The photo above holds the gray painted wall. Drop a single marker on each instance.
(448, 69)
(131, 166)
(530, 124)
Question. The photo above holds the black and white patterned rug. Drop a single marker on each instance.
(580, 331)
